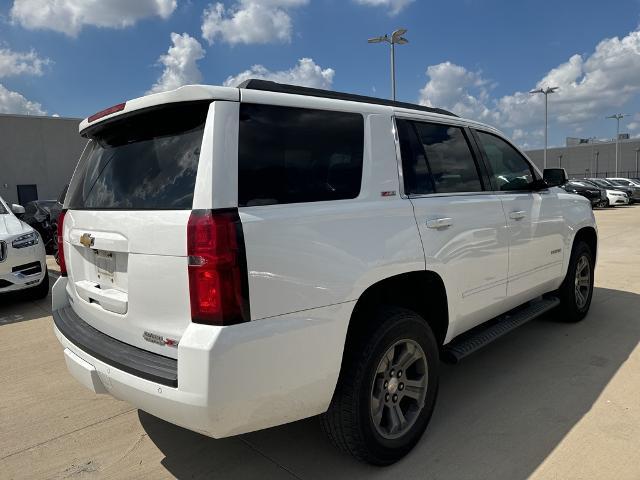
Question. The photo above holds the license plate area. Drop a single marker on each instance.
(105, 263)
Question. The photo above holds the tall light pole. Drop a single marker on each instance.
(560, 161)
(545, 92)
(637, 150)
(597, 155)
(618, 117)
(396, 38)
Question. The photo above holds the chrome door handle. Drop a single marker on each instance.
(520, 214)
(440, 222)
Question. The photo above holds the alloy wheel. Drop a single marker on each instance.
(399, 389)
(582, 281)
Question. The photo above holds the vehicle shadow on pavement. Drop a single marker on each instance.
(500, 412)
(17, 307)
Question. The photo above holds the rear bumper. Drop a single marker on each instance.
(230, 380)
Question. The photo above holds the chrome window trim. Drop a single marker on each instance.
(484, 192)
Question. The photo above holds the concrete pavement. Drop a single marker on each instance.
(547, 401)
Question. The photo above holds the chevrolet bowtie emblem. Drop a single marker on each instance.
(87, 240)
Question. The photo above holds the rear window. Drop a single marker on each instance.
(293, 155)
(146, 160)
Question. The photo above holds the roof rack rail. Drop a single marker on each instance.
(269, 86)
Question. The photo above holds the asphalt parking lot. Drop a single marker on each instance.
(549, 400)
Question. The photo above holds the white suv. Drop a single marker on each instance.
(238, 258)
(23, 262)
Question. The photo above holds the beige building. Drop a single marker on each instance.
(37, 156)
(593, 159)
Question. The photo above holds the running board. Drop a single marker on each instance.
(467, 344)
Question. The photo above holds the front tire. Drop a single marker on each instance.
(387, 388)
(576, 290)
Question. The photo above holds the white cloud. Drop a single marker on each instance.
(180, 64)
(21, 63)
(394, 6)
(249, 21)
(13, 102)
(456, 88)
(633, 126)
(588, 88)
(70, 16)
(306, 73)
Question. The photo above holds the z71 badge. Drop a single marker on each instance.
(159, 339)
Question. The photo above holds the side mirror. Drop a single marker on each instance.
(555, 177)
(17, 209)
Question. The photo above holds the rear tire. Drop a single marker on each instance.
(41, 290)
(576, 290)
(387, 388)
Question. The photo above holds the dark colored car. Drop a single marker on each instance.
(42, 215)
(596, 195)
(602, 183)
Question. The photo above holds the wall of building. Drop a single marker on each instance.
(592, 159)
(37, 150)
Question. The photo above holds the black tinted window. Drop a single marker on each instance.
(146, 160)
(451, 163)
(290, 155)
(510, 170)
(417, 178)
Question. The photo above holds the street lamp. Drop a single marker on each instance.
(597, 155)
(545, 92)
(560, 161)
(637, 150)
(617, 117)
(396, 38)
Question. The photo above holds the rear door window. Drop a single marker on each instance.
(293, 155)
(145, 160)
(437, 158)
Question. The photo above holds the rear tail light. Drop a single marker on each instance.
(61, 261)
(218, 283)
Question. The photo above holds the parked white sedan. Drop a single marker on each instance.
(23, 264)
(616, 197)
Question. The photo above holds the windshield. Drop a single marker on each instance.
(620, 183)
(3, 209)
(145, 160)
(602, 183)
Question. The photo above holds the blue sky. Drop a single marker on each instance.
(477, 57)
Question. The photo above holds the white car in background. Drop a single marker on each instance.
(616, 197)
(627, 182)
(23, 264)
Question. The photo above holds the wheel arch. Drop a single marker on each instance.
(421, 291)
(590, 237)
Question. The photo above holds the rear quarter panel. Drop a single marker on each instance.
(309, 255)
